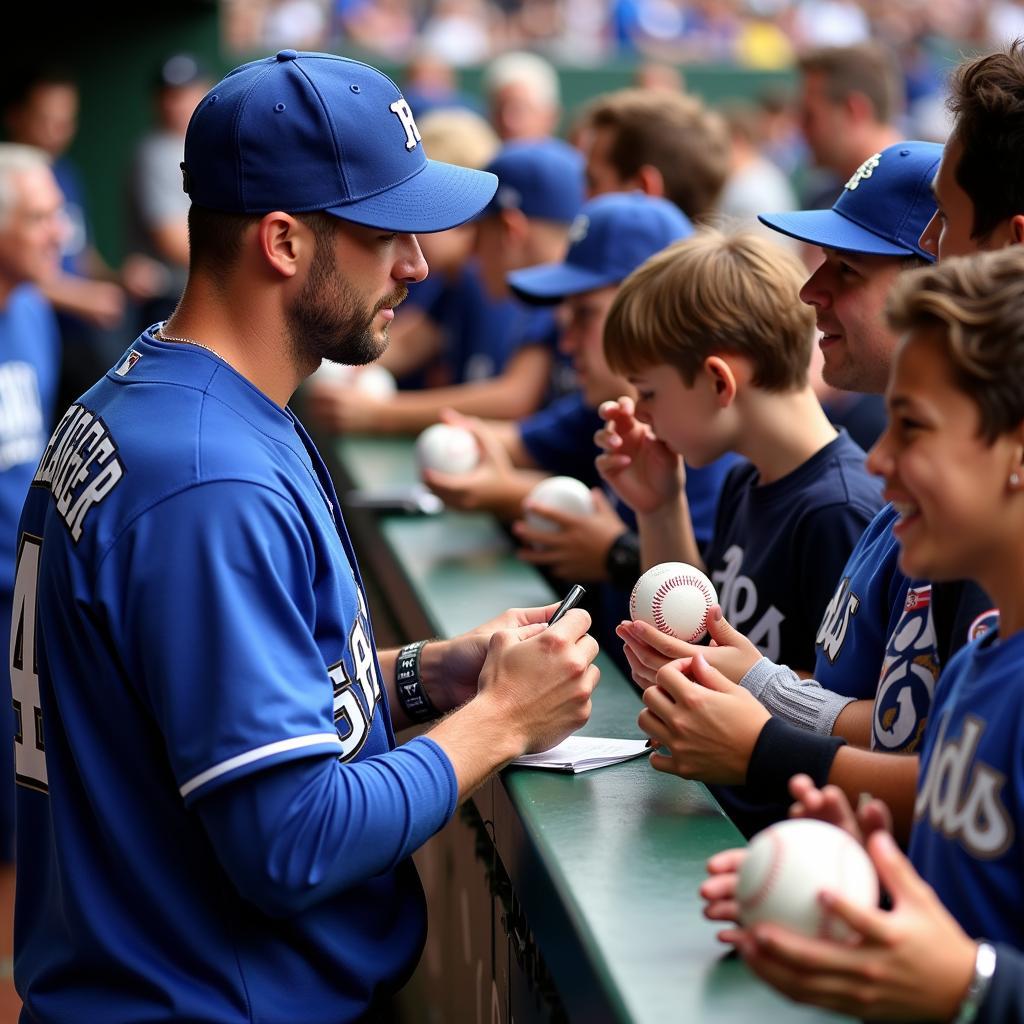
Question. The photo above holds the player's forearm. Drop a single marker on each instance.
(478, 739)
(667, 536)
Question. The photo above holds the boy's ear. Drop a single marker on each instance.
(651, 181)
(1017, 229)
(723, 379)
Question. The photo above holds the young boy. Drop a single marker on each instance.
(613, 235)
(708, 382)
(953, 463)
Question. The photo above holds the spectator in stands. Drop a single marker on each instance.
(662, 143)
(159, 206)
(850, 99)
(523, 96)
(31, 232)
(41, 110)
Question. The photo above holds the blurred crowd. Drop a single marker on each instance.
(750, 33)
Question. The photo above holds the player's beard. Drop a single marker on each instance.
(327, 319)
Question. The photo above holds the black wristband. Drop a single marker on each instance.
(622, 562)
(783, 750)
(409, 686)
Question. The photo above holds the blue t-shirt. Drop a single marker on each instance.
(969, 811)
(779, 547)
(29, 364)
(220, 826)
(480, 334)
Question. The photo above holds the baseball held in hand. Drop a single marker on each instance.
(562, 493)
(447, 449)
(675, 598)
(789, 864)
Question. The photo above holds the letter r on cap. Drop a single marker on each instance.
(412, 134)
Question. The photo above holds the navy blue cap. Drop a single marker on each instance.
(311, 131)
(610, 238)
(543, 178)
(882, 210)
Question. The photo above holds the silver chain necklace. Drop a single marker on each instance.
(159, 333)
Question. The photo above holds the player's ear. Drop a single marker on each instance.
(515, 225)
(284, 242)
(1017, 229)
(722, 378)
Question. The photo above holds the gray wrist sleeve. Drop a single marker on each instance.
(802, 702)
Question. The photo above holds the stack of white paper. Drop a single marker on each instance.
(582, 753)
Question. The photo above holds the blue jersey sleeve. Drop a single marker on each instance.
(1004, 1000)
(303, 831)
(560, 438)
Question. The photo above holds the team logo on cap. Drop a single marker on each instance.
(864, 172)
(578, 230)
(400, 108)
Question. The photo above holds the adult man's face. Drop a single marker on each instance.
(601, 174)
(822, 121)
(357, 277)
(47, 119)
(33, 229)
(848, 293)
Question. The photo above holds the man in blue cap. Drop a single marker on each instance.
(878, 651)
(219, 824)
(506, 369)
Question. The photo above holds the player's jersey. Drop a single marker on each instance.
(966, 839)
(189, 625)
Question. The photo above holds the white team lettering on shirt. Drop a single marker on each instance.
(836, 620)
(412, 134)
(738, 596)
(80, 466)
(21, 414)
(967, 809)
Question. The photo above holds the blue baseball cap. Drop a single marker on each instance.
(882, 210)
(610, 238)
(543, 178)
(311, 131)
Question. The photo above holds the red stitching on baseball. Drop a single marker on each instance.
(775, 866)
(658, 598)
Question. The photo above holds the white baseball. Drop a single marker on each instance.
(789, 864)
(447, 449)
(376, 381)
(675, 598)
(562, 493)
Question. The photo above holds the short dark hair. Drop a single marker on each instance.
(987, 100)
(673, 132)
(215, 237)
(975, 304)
(866, 68)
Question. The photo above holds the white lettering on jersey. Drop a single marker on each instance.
(401, 110)
(21, 414)
(29, 753)
(961, 796)
(80, 466)
(836, 620)
(738, 597)
(907, 680)
(350, 717)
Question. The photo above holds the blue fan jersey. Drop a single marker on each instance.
(969, 812)
(213, 822)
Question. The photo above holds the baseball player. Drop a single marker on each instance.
(214, 821)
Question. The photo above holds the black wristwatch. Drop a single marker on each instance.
(623, 560)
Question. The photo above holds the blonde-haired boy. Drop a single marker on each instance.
(714, 337)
